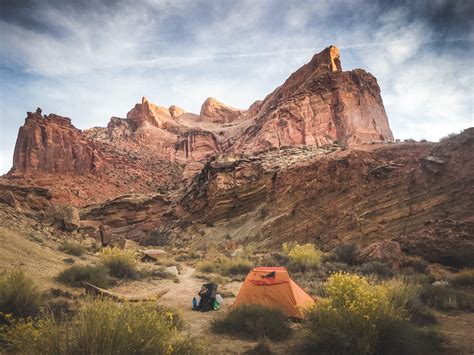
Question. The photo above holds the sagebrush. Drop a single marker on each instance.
(104, 327)
(121, 263)
(253, 321)
(19, 296)
(359, 318)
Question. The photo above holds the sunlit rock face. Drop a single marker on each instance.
(52, 144)
(157, 146)
(215, 111)
(320, 104)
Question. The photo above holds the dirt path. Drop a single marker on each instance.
(459, 331)
(180, 297)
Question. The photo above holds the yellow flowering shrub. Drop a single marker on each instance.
(358, 318)
(103, 327)
(121, 262)
(355, 293)
(302, 257)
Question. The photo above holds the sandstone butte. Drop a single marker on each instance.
(157, 147)
(313, 161)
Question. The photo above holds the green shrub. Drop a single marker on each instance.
(375, 268)
(226, 266)
(346, 253)
(71, 248)
(253, 321)
(302, 257)
(405, 295)
(104, 327)
(121, 263)
(60, 308)
(156, 238)
(19, 296)
(447, 298)
(464, 278)
(358, 318)
(416, 263)
(97, 275)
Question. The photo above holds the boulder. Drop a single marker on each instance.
(128, 244)
(91, 243)
(105, 234)
(173, 270)
(386, 251)
(71, 219)
(155, 254)
(440, 272)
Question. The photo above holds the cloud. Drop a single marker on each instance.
(92, 60)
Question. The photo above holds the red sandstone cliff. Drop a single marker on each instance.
(51, 144)
(320, 104)
(158, 147)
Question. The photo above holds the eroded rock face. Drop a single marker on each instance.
(130, 217)
(159, 148)
(320, 104)
(386, 251)
(332, 196)
(215, 111)
(52, 144)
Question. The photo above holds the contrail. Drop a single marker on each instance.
(173, 61)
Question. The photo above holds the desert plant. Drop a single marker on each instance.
(449, 136)
(60, 308)
(346, 253)
(121, 263)
(359, 318)
(104, 327)
(406, 296)
(97, 275)
(447, 298)
(226, 266)
(253, 321)
(74, 249)
(375, 268)
(416, 263)
(157, 238)
(302, 257)
(464, 278)
(19, 296)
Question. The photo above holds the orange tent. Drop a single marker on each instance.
(273, 287)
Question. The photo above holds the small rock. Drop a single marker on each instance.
(441, 284)
(173, 270)
(237, 252)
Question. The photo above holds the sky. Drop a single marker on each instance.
(90, 60)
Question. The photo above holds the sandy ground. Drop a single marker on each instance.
(180, 297)
(458, 328)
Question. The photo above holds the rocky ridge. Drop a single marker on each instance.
(291, 167)
(159, 148)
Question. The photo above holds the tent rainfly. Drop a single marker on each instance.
(273, 287)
